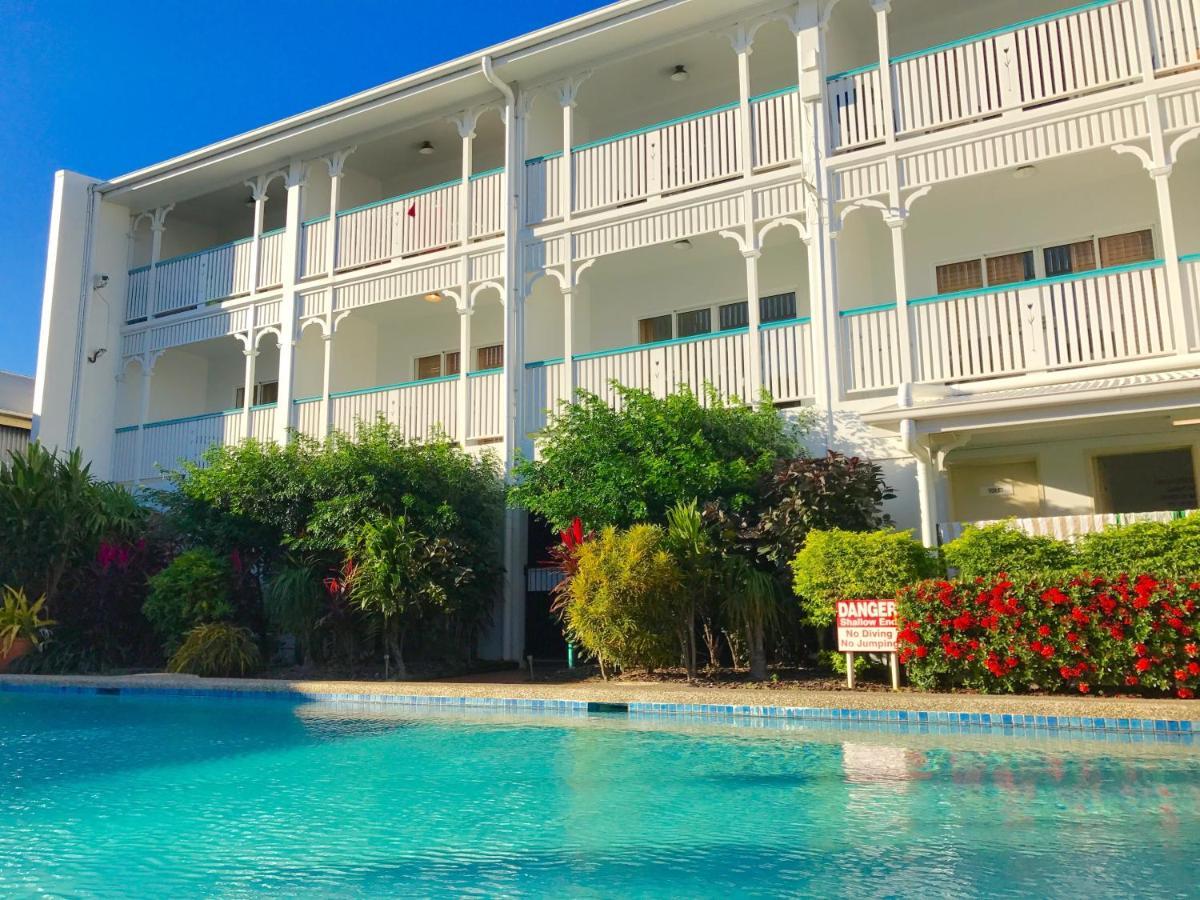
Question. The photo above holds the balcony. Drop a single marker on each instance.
(665, 158)
(1023, 65)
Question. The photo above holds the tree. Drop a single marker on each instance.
(630, 463)
(53, 515)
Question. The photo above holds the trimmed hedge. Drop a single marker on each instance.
(1080, 634)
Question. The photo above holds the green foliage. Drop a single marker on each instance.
(623, 466)
(625, 599)
(295, 601)
(217, 650)
(1165, 549)
(800, 495)
(986, 551)
(836, 662)
(840, 565)
(53, 514)
(193, 590)
(22, 620)
(751, 603)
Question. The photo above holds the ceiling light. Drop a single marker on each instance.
(426, 149)
(1183, 423)
(1024, 172)
(433, 297)
(684, 244)
(680, 74)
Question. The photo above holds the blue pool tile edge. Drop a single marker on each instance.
(958, 721)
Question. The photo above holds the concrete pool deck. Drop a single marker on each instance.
(745, 700)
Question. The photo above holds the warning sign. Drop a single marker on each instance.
(866, 626)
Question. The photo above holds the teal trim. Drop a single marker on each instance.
(771, 95)
(646, 129)
(302, 400)
(1190, 258)
(245, 240)
(139, 269)
(126, 429)
(399, 197)
(199, 418)
(481, 373)
(391, 387)
(541, 364)
(696, 338)
(317, 221)
(783, 323)
(1038, 282)
(864, 310)
(557, 154)
(1003, 29)
(869, 67)
(489, 172)
(263, 406)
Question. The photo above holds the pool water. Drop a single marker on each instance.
(158, 797)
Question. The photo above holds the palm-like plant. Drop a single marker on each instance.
(22, 620)
(751, 603)
(295, 600)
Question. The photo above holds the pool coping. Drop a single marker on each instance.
(894, 709)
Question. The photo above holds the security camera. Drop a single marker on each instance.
(99, 281)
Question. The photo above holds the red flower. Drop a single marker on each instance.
(1184, 694)
(1191, 649)
(1139, 649)
(1083, 687)
(1131, 680)
(922, 652)
(1193, 668)
(1044, 630)
(1142, 664)
(1181, 675)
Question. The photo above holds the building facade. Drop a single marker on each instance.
(964, 236)
(16, 412)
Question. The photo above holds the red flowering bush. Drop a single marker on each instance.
(1082, 635)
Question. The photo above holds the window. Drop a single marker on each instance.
(264, 392)
(487, 358)
(1010, 268)
(776, 308)
(733, 315)
(1068, 258)
(1122, 249)
(450, 362)
(657, 328)
(1161, 480)
(429, 367)
(959, 276)
(693, 322)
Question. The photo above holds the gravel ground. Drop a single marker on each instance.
(509, 685)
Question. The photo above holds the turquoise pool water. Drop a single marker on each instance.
(158, 797)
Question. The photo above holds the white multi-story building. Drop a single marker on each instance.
(16, 412)
(969, 231)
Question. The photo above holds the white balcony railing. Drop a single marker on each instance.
(1075, 51)
(664, 158)
(1070, 321)
(1191, 292)
(167, 444)
(717, 360)
(485, 397)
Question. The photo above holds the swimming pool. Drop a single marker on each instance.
(172, 797)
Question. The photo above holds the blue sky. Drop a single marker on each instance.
(106, 87)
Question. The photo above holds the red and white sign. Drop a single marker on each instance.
(866, 626)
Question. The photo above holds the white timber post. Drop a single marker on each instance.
(742, 39)
(158, 224)
(568, 97)
(897, 220)
(887, 100)
(927, 474)
(327, 333)
(251, 354)
(466, 309)
(258, 191)
(143, 415)
(336, 164)
(465, 122)
(288, 307)
(1166, 219)
(753, 316)
(1145, 46)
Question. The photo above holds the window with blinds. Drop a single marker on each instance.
(1068, 258)
(960, 276)
(1010, 268)
(654, 329)
(429, 366)
(265, 392)
(776, 308)
(1123, 249)
(693, 322)
(487, 358)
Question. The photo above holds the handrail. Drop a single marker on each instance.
(213, 249)
(398, 197)
(391, 387)
(236, 411)
(499, 170)
(864, 310)
(482, 372)
(1038, 282)
(784, 323)
(971, 39)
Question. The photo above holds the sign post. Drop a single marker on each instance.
(867, 626)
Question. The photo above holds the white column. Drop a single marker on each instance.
(753, 316)
(927, 477)
(568, 344)
(568, 95)
(743, 46)
(143, 416)
(882, 8)
(258, 190)
(1173, 269)
(336, 164)
(896, 224)
(466, 122)
(157, 227)
(251, 354)
(326, 379)
(288, 307)
(1145, 47)
(466, 309)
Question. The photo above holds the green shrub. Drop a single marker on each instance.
(839, 565)
(1166, 549)
(1080, 634)
(216, 650)
(613, 466)
(984, 552)
(625, 600)
(193, 590)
